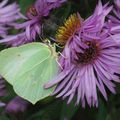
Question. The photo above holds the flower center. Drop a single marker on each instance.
(68, 29)
(32, 10)
(89, 54)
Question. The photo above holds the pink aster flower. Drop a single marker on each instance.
(33, 23)
(90, 61)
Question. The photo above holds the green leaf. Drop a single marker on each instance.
(50, 111)
(68, 110)
(28, 68)
(25, 4)
(3, 117)
(102, 111)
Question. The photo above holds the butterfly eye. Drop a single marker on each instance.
(32, 10)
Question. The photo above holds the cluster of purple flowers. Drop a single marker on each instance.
(91, 56)
(32, 25)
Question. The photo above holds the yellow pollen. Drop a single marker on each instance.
(68, 29)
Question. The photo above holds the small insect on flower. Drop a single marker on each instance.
(71, 25)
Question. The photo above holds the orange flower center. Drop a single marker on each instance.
(68, 29)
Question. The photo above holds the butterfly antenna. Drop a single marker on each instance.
(58, 45)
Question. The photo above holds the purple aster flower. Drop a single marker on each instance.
(33, 24)
(3, 91)
(90, 61)
(56, 3)
(8, 14)
(18, 39)
(116, 12)
(113, 23)
(2, 104)
(17, 105)
(96, 22)
(45, 6)
(3, 30)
